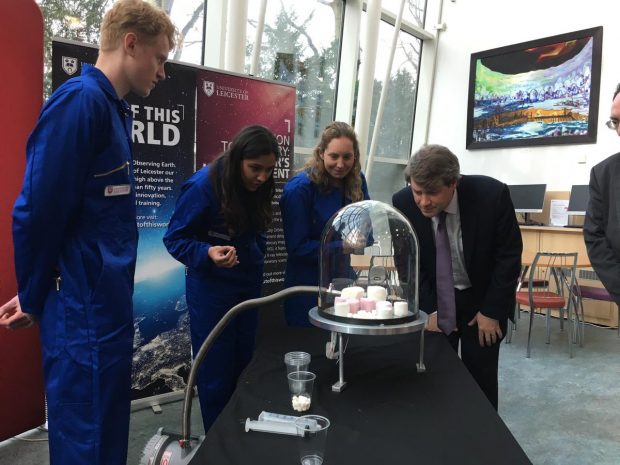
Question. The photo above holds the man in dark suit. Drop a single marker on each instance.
(485, 254)
(601, 229)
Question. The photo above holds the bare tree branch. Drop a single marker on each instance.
(301, 29)
(416, 11)
(185, 30)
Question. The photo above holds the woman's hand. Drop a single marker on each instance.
(224, 256)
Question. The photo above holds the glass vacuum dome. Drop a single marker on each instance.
(369, 252)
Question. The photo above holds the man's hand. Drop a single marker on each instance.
(431, 323)
(224, 256)
(12, 317)
(489, 331)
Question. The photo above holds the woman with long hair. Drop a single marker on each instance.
(331, 179)
(218, 232)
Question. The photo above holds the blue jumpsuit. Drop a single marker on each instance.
(305, 211)
(75, 238)
(196, 225)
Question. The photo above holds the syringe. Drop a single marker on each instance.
(272, 427)
(280, 418)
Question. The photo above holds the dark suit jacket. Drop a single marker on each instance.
(601, 229)
(491, 245)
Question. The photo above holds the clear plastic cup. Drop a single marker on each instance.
(296, 361)
(312, 439)
(300, 384)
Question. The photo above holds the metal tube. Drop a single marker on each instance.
(215, 332)
(340, 359)
(421, 366)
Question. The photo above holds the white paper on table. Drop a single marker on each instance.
(559, 212)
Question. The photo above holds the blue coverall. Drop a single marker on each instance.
(75, 239)
(305, 211)
(195, 226)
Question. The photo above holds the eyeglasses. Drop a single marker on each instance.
(613, 124)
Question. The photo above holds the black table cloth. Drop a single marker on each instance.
(388, 413)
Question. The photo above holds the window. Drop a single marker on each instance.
(81, 21)
(300, 45)
(413, 13)
(393, 147)
(187, 15)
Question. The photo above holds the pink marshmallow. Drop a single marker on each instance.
(354, 305)
(367, 304)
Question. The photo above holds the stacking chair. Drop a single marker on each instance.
(522, 283)
(558, 269)
(594, 293)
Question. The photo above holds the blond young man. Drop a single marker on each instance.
(75, 238)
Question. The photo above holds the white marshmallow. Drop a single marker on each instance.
(401, 309)
(341, 308)
(385, 312)
(383, 304)
(301, 403)
(353, 292)
(364, 315)
(376, 293)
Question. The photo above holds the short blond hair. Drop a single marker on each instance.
(139, 17)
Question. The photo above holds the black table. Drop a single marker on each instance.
(388, 414)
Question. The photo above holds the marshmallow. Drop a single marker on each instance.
(341, 308)
(354, 305)
(401, 308)
(365, 315)
(301, 403)
(353, 292)
(376, 293)
(383, 304)
(340, 299)
(385, 312)
(367, 304)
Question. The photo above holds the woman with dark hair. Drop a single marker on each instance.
(330, 180)
(218, 232)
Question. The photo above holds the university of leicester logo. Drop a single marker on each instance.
(69, 65)
(208, 87)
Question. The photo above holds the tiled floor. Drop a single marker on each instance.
(562, 411)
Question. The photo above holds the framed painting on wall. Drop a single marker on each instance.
(541, 92)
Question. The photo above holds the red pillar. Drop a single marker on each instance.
(21, 94)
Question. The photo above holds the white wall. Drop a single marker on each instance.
(478, 25)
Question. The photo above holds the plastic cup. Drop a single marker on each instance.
(300, 384)
(296, 361)
(312, 440)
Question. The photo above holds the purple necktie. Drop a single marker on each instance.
(446, 307)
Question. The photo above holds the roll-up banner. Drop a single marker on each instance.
(226, 104)
(163, 151)
(164, 128)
